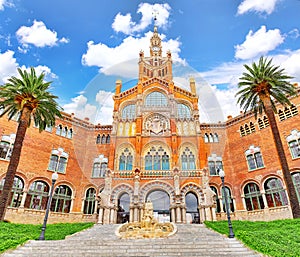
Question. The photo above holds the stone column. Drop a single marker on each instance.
(184, 215)
(112, 214)
(100, 217)
(72, 203)
(213, 211)
(201, 214)
(263, 194)
(141, 213)
(221, 205)
(131, 214)
(23, 199)
(135, 214)
(178, 215)
(106, 216)
(115, 215)
(244, 201)
(173, 215)
(96, 204)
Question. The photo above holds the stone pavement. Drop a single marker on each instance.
(100, 240)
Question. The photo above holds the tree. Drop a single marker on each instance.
(261, 88)
(29, 97)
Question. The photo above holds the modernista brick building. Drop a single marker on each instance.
(156, 149)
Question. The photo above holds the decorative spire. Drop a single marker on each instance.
(155, 13)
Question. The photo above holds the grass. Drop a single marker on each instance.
(12, 235)
(280, 238)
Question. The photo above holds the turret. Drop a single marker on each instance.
(193, 85)
(118, 86)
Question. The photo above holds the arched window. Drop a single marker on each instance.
(254, 158)
(61, 201)
(218, 207)
(58, 160)
(206, 139)
(6, 146)
(16, 192)
(253, 197)
(211, 138)
(294, 143)
(59, 130)
(6, 150)
(157, 159)
(103, 139)
(156, 99)
(216, 138)
(296, 181)
(64, 132)
(214, 163)
(128, 112)
(126, 160)
(275, 193)
(57, 163)
(242, 131)
(89, 201)
(255, 161)
(99, 167)
(247, 129)
(70, 133)
(129, 160)
(37, 196)
(188, 160)
(98, 139)
(183, 111)
(252, 127)
(108, 139)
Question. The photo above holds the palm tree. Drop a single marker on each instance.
(260, 89)
(29, 97)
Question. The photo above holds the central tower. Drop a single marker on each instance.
(156, 65)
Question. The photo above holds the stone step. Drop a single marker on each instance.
(100, 240)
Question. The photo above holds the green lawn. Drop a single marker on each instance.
(274, 238)
(11, 235)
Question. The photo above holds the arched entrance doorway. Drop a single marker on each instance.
(192, 212)
(161, 205)
(123, 208)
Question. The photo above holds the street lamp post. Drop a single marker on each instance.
(54, 178)
(222, 176)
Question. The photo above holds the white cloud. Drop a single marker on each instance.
(2, 2)
(111, 60)
(124, 23)
(38, 35)
(99, 113)
(46, 70)
(8, 66)
(290, 61)
(81, 108)
(64, 40)
(258, 43)
(294, 33)
(260, 6)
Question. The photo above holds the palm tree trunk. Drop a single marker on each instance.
(14, 161)
(283, 161)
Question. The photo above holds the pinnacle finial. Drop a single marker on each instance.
(155, 13)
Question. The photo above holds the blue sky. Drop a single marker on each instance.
(84, 46)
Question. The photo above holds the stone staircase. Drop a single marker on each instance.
(100, 240)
